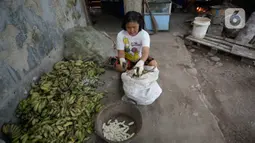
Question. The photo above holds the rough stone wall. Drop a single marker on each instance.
(248, 32)
(31, 40)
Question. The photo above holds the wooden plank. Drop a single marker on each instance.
(244, 52)
(231, 41)
(210, 44)
(86, 12)
(95, 1)
(235, 49)
(252, 41)
(96, 7)
(222, 38)
(248, 61)
(219, 41)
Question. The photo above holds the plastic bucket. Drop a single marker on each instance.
(200, 27)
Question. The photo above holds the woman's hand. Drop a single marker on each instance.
(139, 67)
(123, 62)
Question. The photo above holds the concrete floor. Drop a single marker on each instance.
(108, 23)
(180, 114)
(202, 101)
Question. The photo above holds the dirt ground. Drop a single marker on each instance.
(202, 100)
(229, 89)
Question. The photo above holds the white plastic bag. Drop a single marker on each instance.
(145, 89)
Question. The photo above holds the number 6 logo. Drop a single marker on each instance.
(234, 18)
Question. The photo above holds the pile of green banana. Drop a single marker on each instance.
(61, 105)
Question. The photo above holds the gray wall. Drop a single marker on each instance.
(30, 42)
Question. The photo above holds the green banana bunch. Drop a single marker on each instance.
(46, 85)
(60, 106)
(14, 131)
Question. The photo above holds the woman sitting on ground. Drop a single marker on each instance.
(133, 44)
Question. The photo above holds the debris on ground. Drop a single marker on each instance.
(117, 131)
(192, 71)
(60, 106)
(219, 64)
(178, 34)
(215, 59)
(210, 54)
(229, 89)
(192, 50)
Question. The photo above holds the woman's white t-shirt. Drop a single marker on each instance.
(133, 45)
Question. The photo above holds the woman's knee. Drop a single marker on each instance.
(119, 68)
(153, 63)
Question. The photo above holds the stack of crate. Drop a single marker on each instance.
(113, 7)
(95, 9)
(217, 20)
(94, 4)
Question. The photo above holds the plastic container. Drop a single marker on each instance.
(217, 10)
(161, 10)
(200, 27)
(121, 111)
